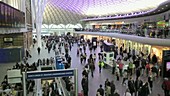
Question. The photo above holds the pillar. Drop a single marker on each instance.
(39, 6)
(38, 85)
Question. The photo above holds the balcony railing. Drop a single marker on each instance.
(162, 34)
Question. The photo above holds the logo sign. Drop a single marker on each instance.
(49, 74)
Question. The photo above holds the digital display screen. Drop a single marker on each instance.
(8, 40)
(94, 44)
(167, 66)
(111, 55)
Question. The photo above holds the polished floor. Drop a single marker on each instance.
(93, 82)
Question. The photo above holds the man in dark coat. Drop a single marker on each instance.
(154, 59)
(38, 49)
(131, 86)
(138, 84)
(85, 73)
(84, 84)
(54, 86)
(144, 91)
(101, 90)
(138, 73)
(112, 85)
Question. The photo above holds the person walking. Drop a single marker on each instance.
(101, 64)
(150, 81)
(84, 57)
(147, 69)
(138, 73)
(166, 86)
(113, 88)
(107, 82)
(120, 68)
(38, 49)
(85, 72)
(81, 58)
(130, 68)
(108, 90)
(84, 84)
(114, 67)
(131, 86)
(138, 84)
(101, 90)
(125, 77)
(92, 67)
(144, 91)
(84, 48)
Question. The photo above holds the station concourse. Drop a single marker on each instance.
(118, 47)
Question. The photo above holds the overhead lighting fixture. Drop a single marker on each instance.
(162, 8)
(166, 5)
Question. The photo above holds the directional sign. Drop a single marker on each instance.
(50, 74)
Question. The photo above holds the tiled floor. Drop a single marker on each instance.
(93, 82)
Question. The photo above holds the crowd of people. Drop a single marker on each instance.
(16, 89)
(139, 66)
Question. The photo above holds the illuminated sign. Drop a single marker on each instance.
(49, 74)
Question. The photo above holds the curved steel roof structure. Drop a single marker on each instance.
(72, 11)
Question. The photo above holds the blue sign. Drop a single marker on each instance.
(60, 66)
(49, 74)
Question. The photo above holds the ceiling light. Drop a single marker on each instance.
(166, 5)
(162, 8)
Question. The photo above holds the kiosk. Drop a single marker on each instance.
(108, 53)
(94, 42)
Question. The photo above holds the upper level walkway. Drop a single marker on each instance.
(144, 40)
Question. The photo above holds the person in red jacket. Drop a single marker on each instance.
(120, 68)
(166, 86)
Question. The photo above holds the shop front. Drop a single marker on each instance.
(131, 45)
(146, 49)
(158, 51)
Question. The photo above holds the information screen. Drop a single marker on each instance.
(94, 44)
(167, 66)
(8, 39)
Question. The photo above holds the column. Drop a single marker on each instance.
(38, 85)
(39, 6)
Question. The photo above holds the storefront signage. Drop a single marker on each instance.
(49, 74)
